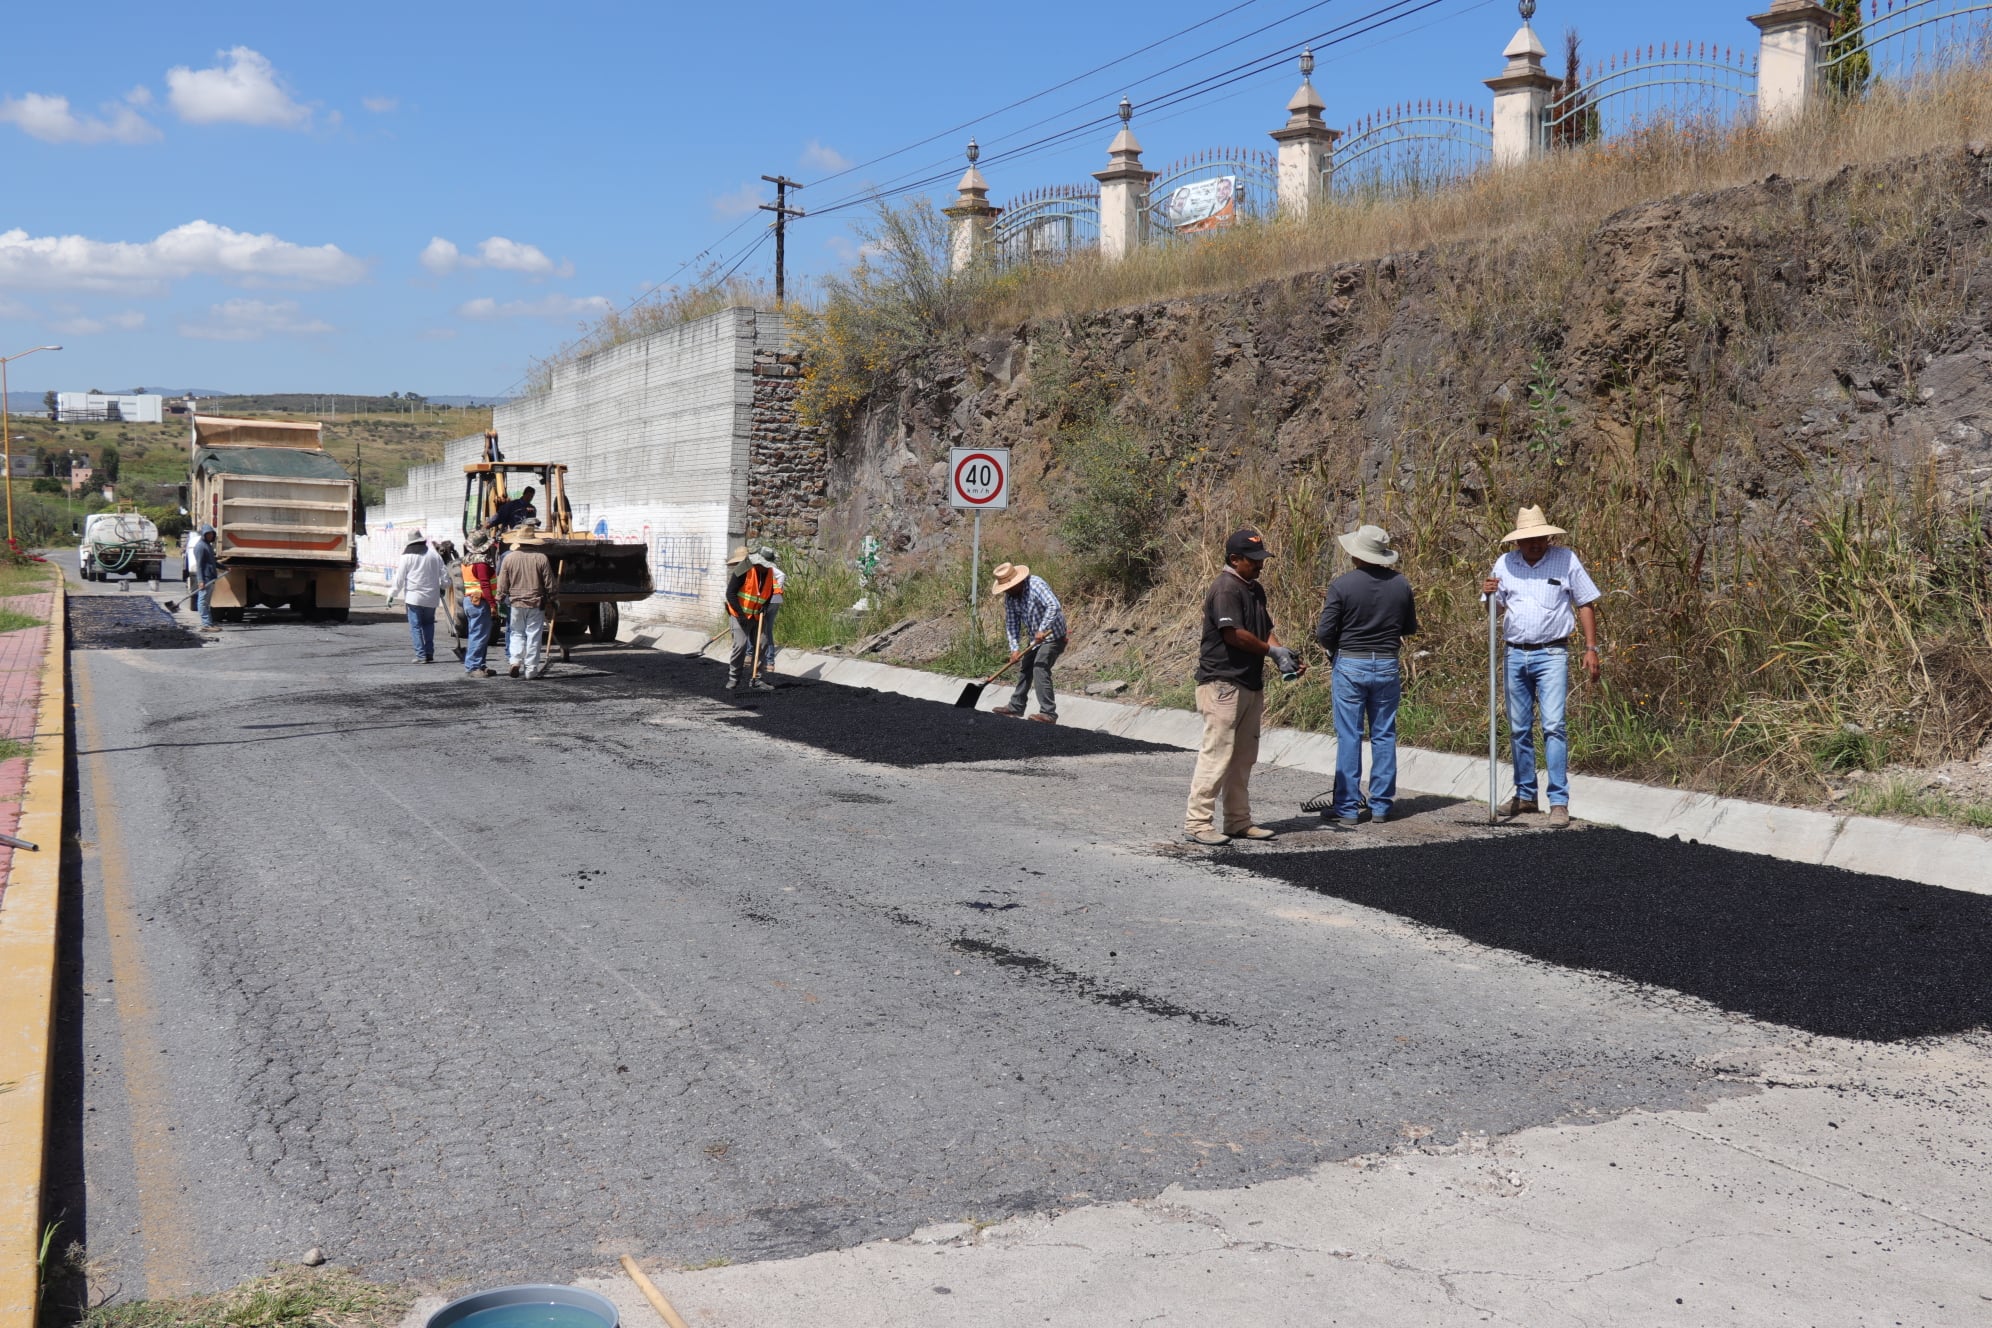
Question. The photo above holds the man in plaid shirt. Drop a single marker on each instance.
(1034, 621)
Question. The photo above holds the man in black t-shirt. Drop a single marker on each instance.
(1231, 693)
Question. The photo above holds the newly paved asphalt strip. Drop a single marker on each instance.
(495, 980)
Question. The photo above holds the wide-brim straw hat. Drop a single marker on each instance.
(1009, 576)
(524, 538)
(1530, 523)
(1371, 544)
(738, 556)
(416, 543)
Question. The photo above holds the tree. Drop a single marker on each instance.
(1852, 69)
(49, 402)
(1573, 120)
(108, 462)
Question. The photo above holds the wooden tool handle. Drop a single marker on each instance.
(652, 1294)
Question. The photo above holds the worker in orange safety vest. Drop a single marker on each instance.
(749, 587)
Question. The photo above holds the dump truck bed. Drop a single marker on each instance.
(276, 504)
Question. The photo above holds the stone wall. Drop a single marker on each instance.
(787, 463)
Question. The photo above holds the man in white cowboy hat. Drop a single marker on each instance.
(418, 580)
(526, 583)
(1544, 594)
(1368, 612)
(749, 587)
(765, 556)
(1231, 693)
(1034, 622)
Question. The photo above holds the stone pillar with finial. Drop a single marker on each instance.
(1793, 31)
(1123, 193)
(1307, 146)
(1522, 94)
(972, 220)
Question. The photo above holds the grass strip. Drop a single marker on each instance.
(292, 1298)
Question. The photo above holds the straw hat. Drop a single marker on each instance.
(738, 556)
(1371, 544)
(524, 536)
(1009, 576)
(416, 543)
(1530, 523)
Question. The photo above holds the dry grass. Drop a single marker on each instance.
(658, 312)
(1553, 202)
(292, 1298)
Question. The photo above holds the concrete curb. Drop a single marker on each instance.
(27, 985)
(1954, 859)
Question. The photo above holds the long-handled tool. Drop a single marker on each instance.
(652, 1294)
(710, 642)
(759, 618)
(1493, 706)
(972, 692)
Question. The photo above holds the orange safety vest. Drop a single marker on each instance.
(477, 581)
(755, 592)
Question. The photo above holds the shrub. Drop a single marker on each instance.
(1114, 506)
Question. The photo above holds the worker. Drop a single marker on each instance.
(515, 513)
(1231, 693)
(418, 579)
(526, 584)
(1368, 612)
(749, 586)
(480, 604)
(1034, 622)
(766, 557)
(203, 570)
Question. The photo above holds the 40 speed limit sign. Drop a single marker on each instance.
(979, 478)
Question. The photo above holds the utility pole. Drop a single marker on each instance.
(782, 212)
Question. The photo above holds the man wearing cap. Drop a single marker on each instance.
(749, 587)
(203, 570)
(1231, 680)
(418, 579)
(765, 556)
(1364, 620)
(1034, 622)
(526, 583)
(1544, 594)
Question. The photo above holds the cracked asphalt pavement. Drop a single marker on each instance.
(490, 980)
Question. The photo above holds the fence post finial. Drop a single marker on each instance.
(1794, 32)
(1123, 192)
(1307, 146)
(1522, 93)
(972, 220)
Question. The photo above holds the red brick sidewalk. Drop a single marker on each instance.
(22, 654)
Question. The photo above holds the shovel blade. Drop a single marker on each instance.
(969, 696)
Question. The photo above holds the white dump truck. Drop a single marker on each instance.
(284, 514)
(119, 543)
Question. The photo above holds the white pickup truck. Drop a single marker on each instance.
(117, 543)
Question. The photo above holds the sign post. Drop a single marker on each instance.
(979, 481)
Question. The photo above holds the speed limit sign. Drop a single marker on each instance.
(980, 478)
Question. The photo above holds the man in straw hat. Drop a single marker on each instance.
(765, 556)
(1544, 594)
(749, 587)
(1032, 617)
(1231, 693)
(526, 583)
(1364, 620)
(418, 579)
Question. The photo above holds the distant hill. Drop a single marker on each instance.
(300, 403)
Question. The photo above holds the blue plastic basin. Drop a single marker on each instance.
(542, 1306)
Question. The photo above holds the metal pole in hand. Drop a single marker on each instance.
(1493, 709)
(975, 564)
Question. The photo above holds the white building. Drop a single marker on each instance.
(88, 407)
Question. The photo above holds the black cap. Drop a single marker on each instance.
(1246, 543)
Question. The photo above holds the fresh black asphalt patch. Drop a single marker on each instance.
(125, 622)
(1831, 952)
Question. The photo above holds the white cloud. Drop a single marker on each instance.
(738, 203)
(381, 105)
(82, 325)
(498, 253)
(139, 96)
(245, 91)
(199, 248)
(554, 307)
(821, 157)
(52, 121)
(253, 320)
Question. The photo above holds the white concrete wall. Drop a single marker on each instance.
(655, 434)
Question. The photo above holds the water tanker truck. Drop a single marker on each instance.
(119, 543)
(284, 512)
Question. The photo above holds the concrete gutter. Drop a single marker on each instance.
(1954, 859)
(27, 986)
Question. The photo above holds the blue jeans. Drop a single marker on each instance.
(1366, 689)
(204, 601)
(477, 625)
(422, 627)
(1539, 682)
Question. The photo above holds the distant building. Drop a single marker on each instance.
(103, 407)
(22, 464)
(80, 475)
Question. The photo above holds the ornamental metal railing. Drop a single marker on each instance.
(1901, 40)
(1687, 84)
(1412, 148)
(1212, 191)
(1048, 225)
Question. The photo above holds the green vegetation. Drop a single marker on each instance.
(11, 621)
(292, 1298)
(1904, 796)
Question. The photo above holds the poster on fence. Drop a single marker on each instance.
(1202, 205)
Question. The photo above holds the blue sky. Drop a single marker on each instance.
(424, 196)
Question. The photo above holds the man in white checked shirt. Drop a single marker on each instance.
(1545, 594)
(1033, 618)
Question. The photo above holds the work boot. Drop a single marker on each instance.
(758, 686)
(1514, 807)
(1207, 838)
(1044, 719)
(1258, 834)
(1559, 817)
(1011, 711)
(513, 671)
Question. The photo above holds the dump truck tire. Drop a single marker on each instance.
(608, 620)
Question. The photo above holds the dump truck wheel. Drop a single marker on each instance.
(608, 619)
(335, 615)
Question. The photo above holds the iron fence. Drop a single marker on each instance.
(1046, 225)
(1904, 39)
(1688, 84)
(1412, 148)
(1212, 190)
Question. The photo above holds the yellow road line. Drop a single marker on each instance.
(27, 990)
(165, 1228)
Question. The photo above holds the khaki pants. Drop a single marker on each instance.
(1231, 716)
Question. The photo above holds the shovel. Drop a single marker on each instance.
(700, 652)
(972, 692)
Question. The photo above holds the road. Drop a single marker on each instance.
(496, 980)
